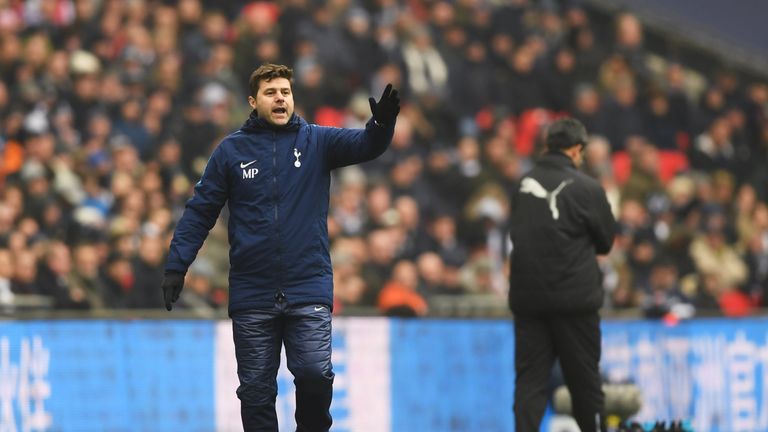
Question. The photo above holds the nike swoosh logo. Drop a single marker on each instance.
(243, 164)
(319, 308)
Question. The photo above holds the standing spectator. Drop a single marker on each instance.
(629, 45)
(586, 108)
(597, 158)
(588, 54)
(659, 126)
(399, 297)
(711, 253)
(665, 295)
(757, 262)
(425, 67)
(560, 80)
(24, 279)
(6, 286)
(621, 116)
(366, 53)
(709, 290)
(679, 104)
(147, 268)
(713, 149)
(87, 278)
(349, 211)
(197, 135)
(643, 181)
(382, 250)
(410, 227)
(381, 214)
(711, 106)
(310, 82)
(474, 88)
(198, 297)
(118, 277)
(131, 127)
(431, 276)
(348, 285)
(560, 218)
(84, 96)
(443, 239)
(54, 278)
(521, 87)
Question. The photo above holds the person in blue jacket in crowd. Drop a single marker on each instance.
(274, 173)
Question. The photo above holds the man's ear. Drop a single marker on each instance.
(252, 102)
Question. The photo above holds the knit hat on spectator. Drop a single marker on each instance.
(83, 62)
(33, 170)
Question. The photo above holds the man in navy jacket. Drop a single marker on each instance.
(274, 173)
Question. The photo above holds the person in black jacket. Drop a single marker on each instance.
(560, 218)
(274, 174)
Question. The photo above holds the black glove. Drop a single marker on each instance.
(385, 111)
(172, 285)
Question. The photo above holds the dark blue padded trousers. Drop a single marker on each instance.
(306, 332)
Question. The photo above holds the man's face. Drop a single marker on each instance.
(580, 158)
(576, 153)
(274, 101)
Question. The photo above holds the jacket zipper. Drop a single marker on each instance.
(274, 173)
(279, 295)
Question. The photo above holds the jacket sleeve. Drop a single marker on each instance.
(600, 223)
(202, 210)
(351, 146)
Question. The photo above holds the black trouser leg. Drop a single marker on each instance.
(577, 344)
(258, 337)
(308, 352)
(534, 356)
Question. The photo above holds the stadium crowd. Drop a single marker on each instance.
(110, 108)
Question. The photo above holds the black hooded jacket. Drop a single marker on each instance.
(559, 220)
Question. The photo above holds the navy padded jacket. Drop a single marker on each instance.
(276, 181)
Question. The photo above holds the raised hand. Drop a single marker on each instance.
(385, 111)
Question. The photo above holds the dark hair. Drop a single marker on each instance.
(565, 133)
(268, 72)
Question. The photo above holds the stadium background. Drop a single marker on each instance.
(108, 110)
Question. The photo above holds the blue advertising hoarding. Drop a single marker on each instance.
(106, 375)
(391, 375)
(709, 371)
